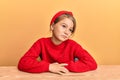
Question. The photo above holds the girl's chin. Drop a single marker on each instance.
(62, 40)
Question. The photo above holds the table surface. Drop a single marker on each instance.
(103, 72)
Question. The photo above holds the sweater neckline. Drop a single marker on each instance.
(57, 46)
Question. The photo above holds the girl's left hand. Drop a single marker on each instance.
(58, 68)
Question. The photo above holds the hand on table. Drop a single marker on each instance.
(58, 68)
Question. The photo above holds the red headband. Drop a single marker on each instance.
(59, 14)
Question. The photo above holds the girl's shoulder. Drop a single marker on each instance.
(43, 39)
(73, 42)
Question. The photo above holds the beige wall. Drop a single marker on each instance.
(24, 21)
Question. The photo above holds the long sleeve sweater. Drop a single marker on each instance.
(49, 53)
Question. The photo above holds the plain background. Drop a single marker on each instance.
(22, 22)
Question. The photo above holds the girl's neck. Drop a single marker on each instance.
(55, 41)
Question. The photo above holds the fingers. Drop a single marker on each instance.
(63, 64)
(64, 70)
(58, 68)
(61, 73)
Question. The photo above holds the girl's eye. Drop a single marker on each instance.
(71, 30)
(64, 26)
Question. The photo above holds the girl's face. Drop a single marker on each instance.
(62, 30)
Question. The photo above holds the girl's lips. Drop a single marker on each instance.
(64, 36)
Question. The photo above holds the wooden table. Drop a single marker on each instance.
(103, 72)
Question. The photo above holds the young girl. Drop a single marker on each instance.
(58, 53)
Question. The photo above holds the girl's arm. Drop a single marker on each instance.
(29, 62)
(84, 63)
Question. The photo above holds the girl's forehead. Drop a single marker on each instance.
(67, 21)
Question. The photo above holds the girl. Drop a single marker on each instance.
(58, 53)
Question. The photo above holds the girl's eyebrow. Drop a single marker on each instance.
(64, 24)
(67, 25)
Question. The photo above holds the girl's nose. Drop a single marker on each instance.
(66, 32)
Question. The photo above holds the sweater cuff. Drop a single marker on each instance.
(69, 66)
(45, 66)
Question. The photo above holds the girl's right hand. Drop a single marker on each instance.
(58, 68)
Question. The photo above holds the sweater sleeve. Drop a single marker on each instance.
(29, 62)
(84, 63)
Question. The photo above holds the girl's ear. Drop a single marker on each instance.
(51, 28)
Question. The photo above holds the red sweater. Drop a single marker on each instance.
(50, 53)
